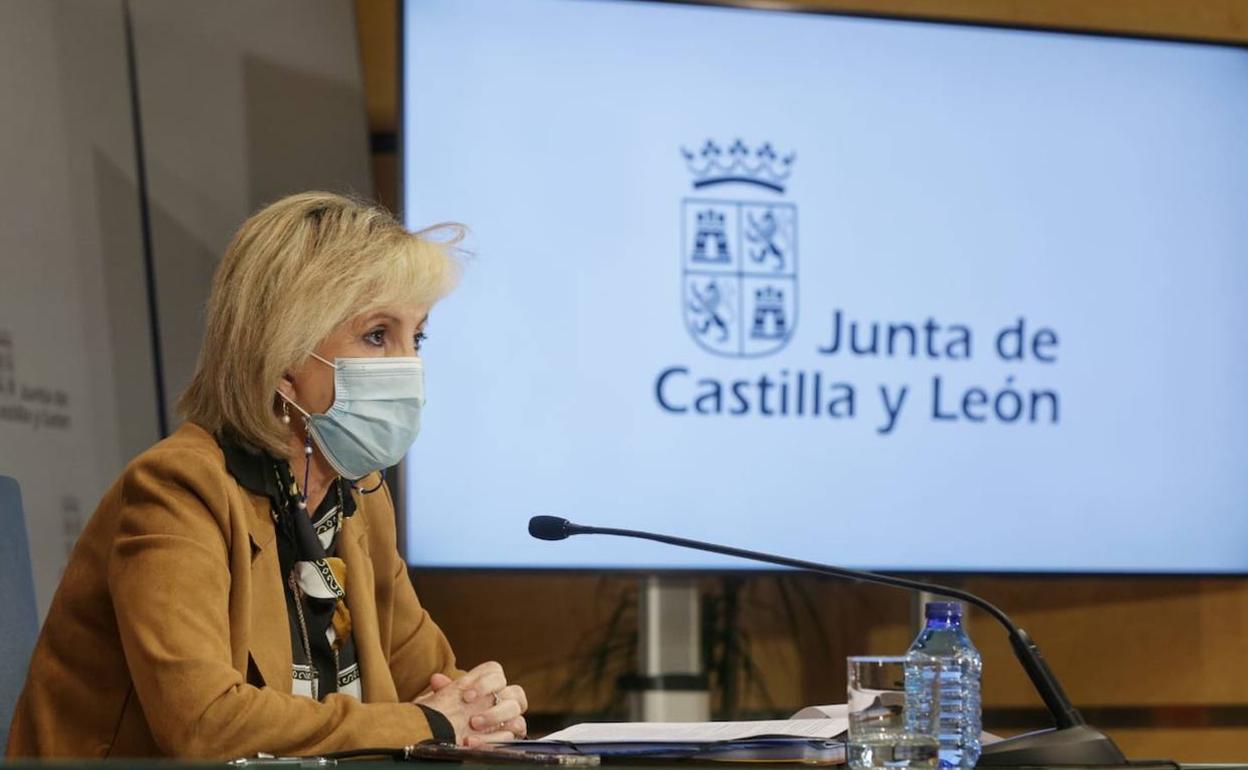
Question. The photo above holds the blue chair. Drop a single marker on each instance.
(19, 620)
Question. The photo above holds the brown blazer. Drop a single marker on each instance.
(169, 633)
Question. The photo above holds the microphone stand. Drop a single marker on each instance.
(1071, 742)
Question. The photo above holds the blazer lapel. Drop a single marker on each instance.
(375, 679)
(269, 641)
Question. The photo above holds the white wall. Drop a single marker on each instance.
(240, 102)
(72, 303)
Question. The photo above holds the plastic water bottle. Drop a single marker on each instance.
(959, 710)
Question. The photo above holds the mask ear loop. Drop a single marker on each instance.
(287, 400)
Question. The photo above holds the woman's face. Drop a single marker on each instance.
(385, 333)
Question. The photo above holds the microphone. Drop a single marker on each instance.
(552, 528)
(1071, 742)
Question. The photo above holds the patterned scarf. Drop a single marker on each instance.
(316, 583)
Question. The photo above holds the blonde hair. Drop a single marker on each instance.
(292, 273)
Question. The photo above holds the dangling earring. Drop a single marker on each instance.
(285, 412)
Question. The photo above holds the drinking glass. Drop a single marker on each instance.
(892, 725)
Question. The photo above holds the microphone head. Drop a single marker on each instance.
(549, 528)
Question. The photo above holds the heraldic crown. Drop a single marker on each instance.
(762, 166)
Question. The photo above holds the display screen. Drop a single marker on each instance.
(889, 294)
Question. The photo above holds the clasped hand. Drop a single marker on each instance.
(480, 705)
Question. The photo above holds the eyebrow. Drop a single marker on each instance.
(393, 318)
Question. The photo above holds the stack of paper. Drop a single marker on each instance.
(817, 740)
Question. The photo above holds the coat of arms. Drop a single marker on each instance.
(739, 257)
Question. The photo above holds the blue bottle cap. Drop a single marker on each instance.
(943, 610)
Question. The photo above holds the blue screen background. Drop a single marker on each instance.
(1093, 187)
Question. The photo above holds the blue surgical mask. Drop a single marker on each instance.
(375, 415)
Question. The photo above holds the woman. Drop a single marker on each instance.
(238, 590)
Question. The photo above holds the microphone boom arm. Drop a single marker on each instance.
(1025, 649)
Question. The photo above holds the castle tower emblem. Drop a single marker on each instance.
(711, 235)
(769, 318)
